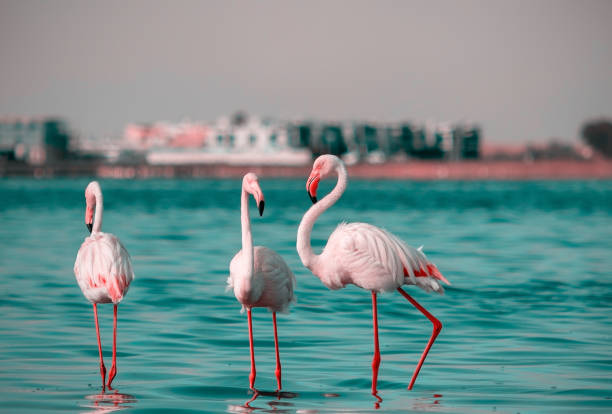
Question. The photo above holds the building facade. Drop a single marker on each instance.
(35, 141)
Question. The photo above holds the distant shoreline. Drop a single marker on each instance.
(410, 170)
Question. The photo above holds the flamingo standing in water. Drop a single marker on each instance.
(366, 256)
(102, 269)
(258, 275)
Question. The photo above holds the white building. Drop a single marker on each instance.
(244, 141)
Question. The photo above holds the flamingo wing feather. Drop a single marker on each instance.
(278, 280)
(103, 268)
(363, 257)
(374, 259)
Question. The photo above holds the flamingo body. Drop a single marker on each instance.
(272, 283)
(374, 259)
(103, 268)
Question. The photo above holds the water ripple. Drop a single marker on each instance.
(526, 321)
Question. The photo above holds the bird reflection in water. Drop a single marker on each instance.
(427, 403)
(276, 405)
(107, 402)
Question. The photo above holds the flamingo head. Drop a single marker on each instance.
(324, 166)
(250, 184)
(92, 194)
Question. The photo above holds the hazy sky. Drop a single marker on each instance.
(524, 70)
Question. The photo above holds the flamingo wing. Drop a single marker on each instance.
(103, 268)
(376, 260)
(246, 291)
(278, 280)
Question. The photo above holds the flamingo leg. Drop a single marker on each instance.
(253, 372)
(278, 364)
(437, 327)
(113, 370)
(376, 358)
(248, 403)
(102, 367)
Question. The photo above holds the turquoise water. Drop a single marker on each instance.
(527, 321)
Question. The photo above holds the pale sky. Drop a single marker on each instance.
(524, 70)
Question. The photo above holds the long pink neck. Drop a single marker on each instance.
(247, 238)
(97, 224)
(309, 259)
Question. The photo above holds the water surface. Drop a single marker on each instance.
(527, 321)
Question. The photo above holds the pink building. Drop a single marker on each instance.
(162, 134)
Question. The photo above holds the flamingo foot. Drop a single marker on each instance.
(375, 365)
(255, 395)
(111, 376)
(252, 380)
(378, 400)
(278, 380)
(103, 375)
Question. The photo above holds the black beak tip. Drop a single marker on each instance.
(261, 207)
(89, 227)
(312, 198)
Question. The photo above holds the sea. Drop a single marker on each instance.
(527, 320)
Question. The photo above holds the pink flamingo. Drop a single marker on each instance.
(102, 269)
(366, 256)
(258, 275)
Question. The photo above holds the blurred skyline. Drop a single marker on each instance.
(524, 71)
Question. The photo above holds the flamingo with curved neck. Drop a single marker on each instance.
(102, 269)
(366, 256)
(259, 277)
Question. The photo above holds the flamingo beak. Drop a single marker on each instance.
(259, 199)
(89, 212)
(311, 186)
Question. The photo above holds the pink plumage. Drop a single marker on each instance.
(102, 268)
(259, 277)
(364, 255)
(374, 259)
(271, 285)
